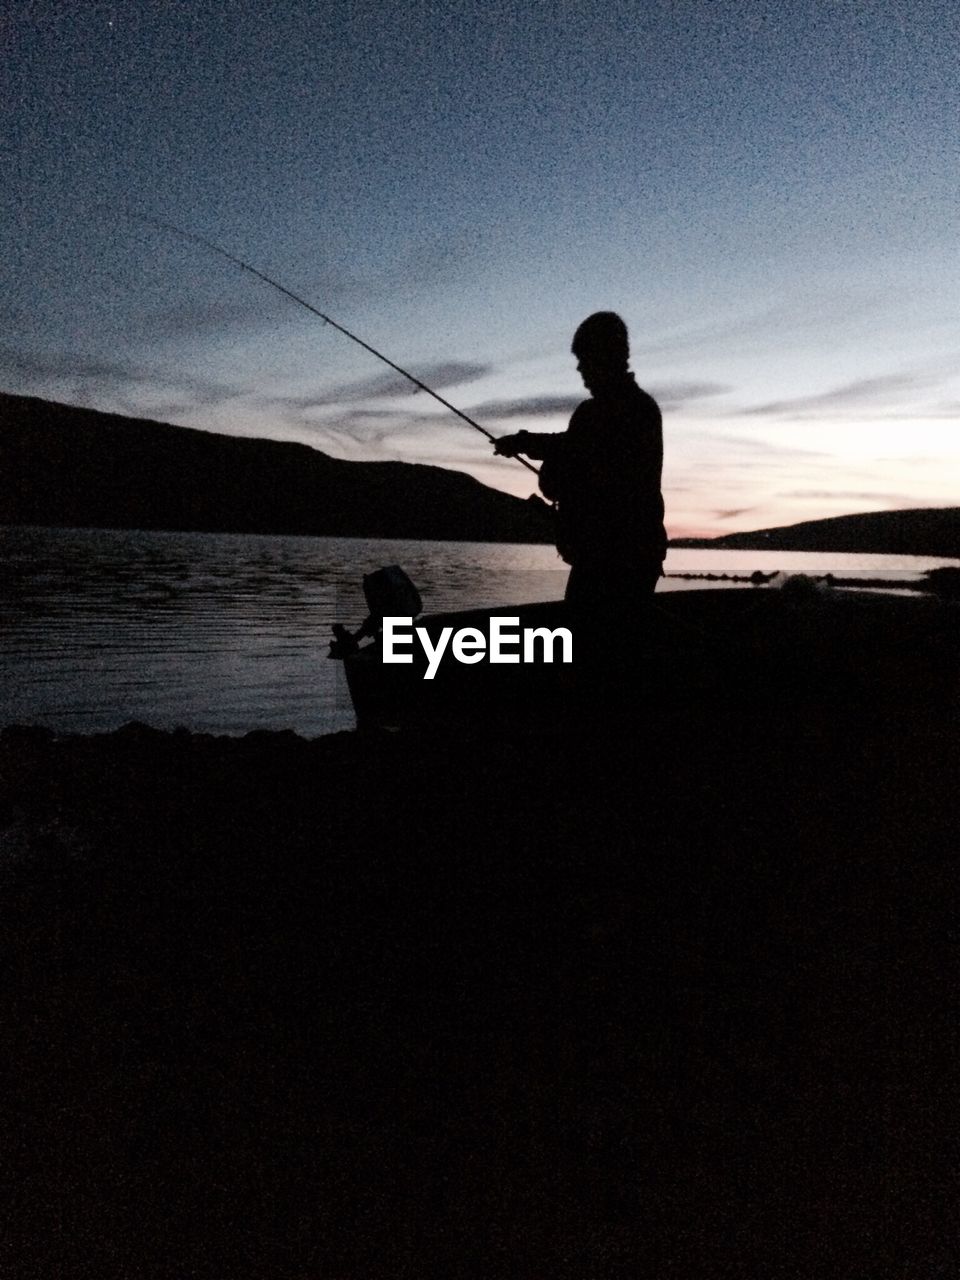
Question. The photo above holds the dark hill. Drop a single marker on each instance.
(61, 465)
(926, 531)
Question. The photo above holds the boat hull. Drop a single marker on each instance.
(733, 644)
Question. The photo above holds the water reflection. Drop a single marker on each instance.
(228, 632)
(219, 632)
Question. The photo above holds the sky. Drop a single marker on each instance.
(767, 193)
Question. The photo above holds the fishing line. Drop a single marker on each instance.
(294, 297)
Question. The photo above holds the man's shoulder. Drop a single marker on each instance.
(584, 415)
(630, 408)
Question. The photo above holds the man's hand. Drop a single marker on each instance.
(510, 446)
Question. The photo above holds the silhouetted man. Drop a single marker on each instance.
(603, 472)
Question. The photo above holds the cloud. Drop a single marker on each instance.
(527, 407)
(676, 395)
(200, 319)
(861, 393)
(801, 316)
(670, 396)
(434, 435)
(766, 448)
(733, 512)
(59, 365)
(828, 495)
(450, 373)
(360, 424)
(112, 385)
(947, 409)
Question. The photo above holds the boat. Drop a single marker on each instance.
(797, 642)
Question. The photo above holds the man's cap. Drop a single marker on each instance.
(603, 334)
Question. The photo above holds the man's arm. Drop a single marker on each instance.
(535, 444)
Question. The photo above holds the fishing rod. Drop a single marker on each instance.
(294, 297)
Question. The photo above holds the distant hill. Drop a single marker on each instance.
(61, 465)
(925, 531)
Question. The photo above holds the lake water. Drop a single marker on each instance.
(223, 633)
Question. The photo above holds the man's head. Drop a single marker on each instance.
(602, 350)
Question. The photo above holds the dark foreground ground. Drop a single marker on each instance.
(679, 1002)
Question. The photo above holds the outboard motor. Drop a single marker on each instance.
(389, 593)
